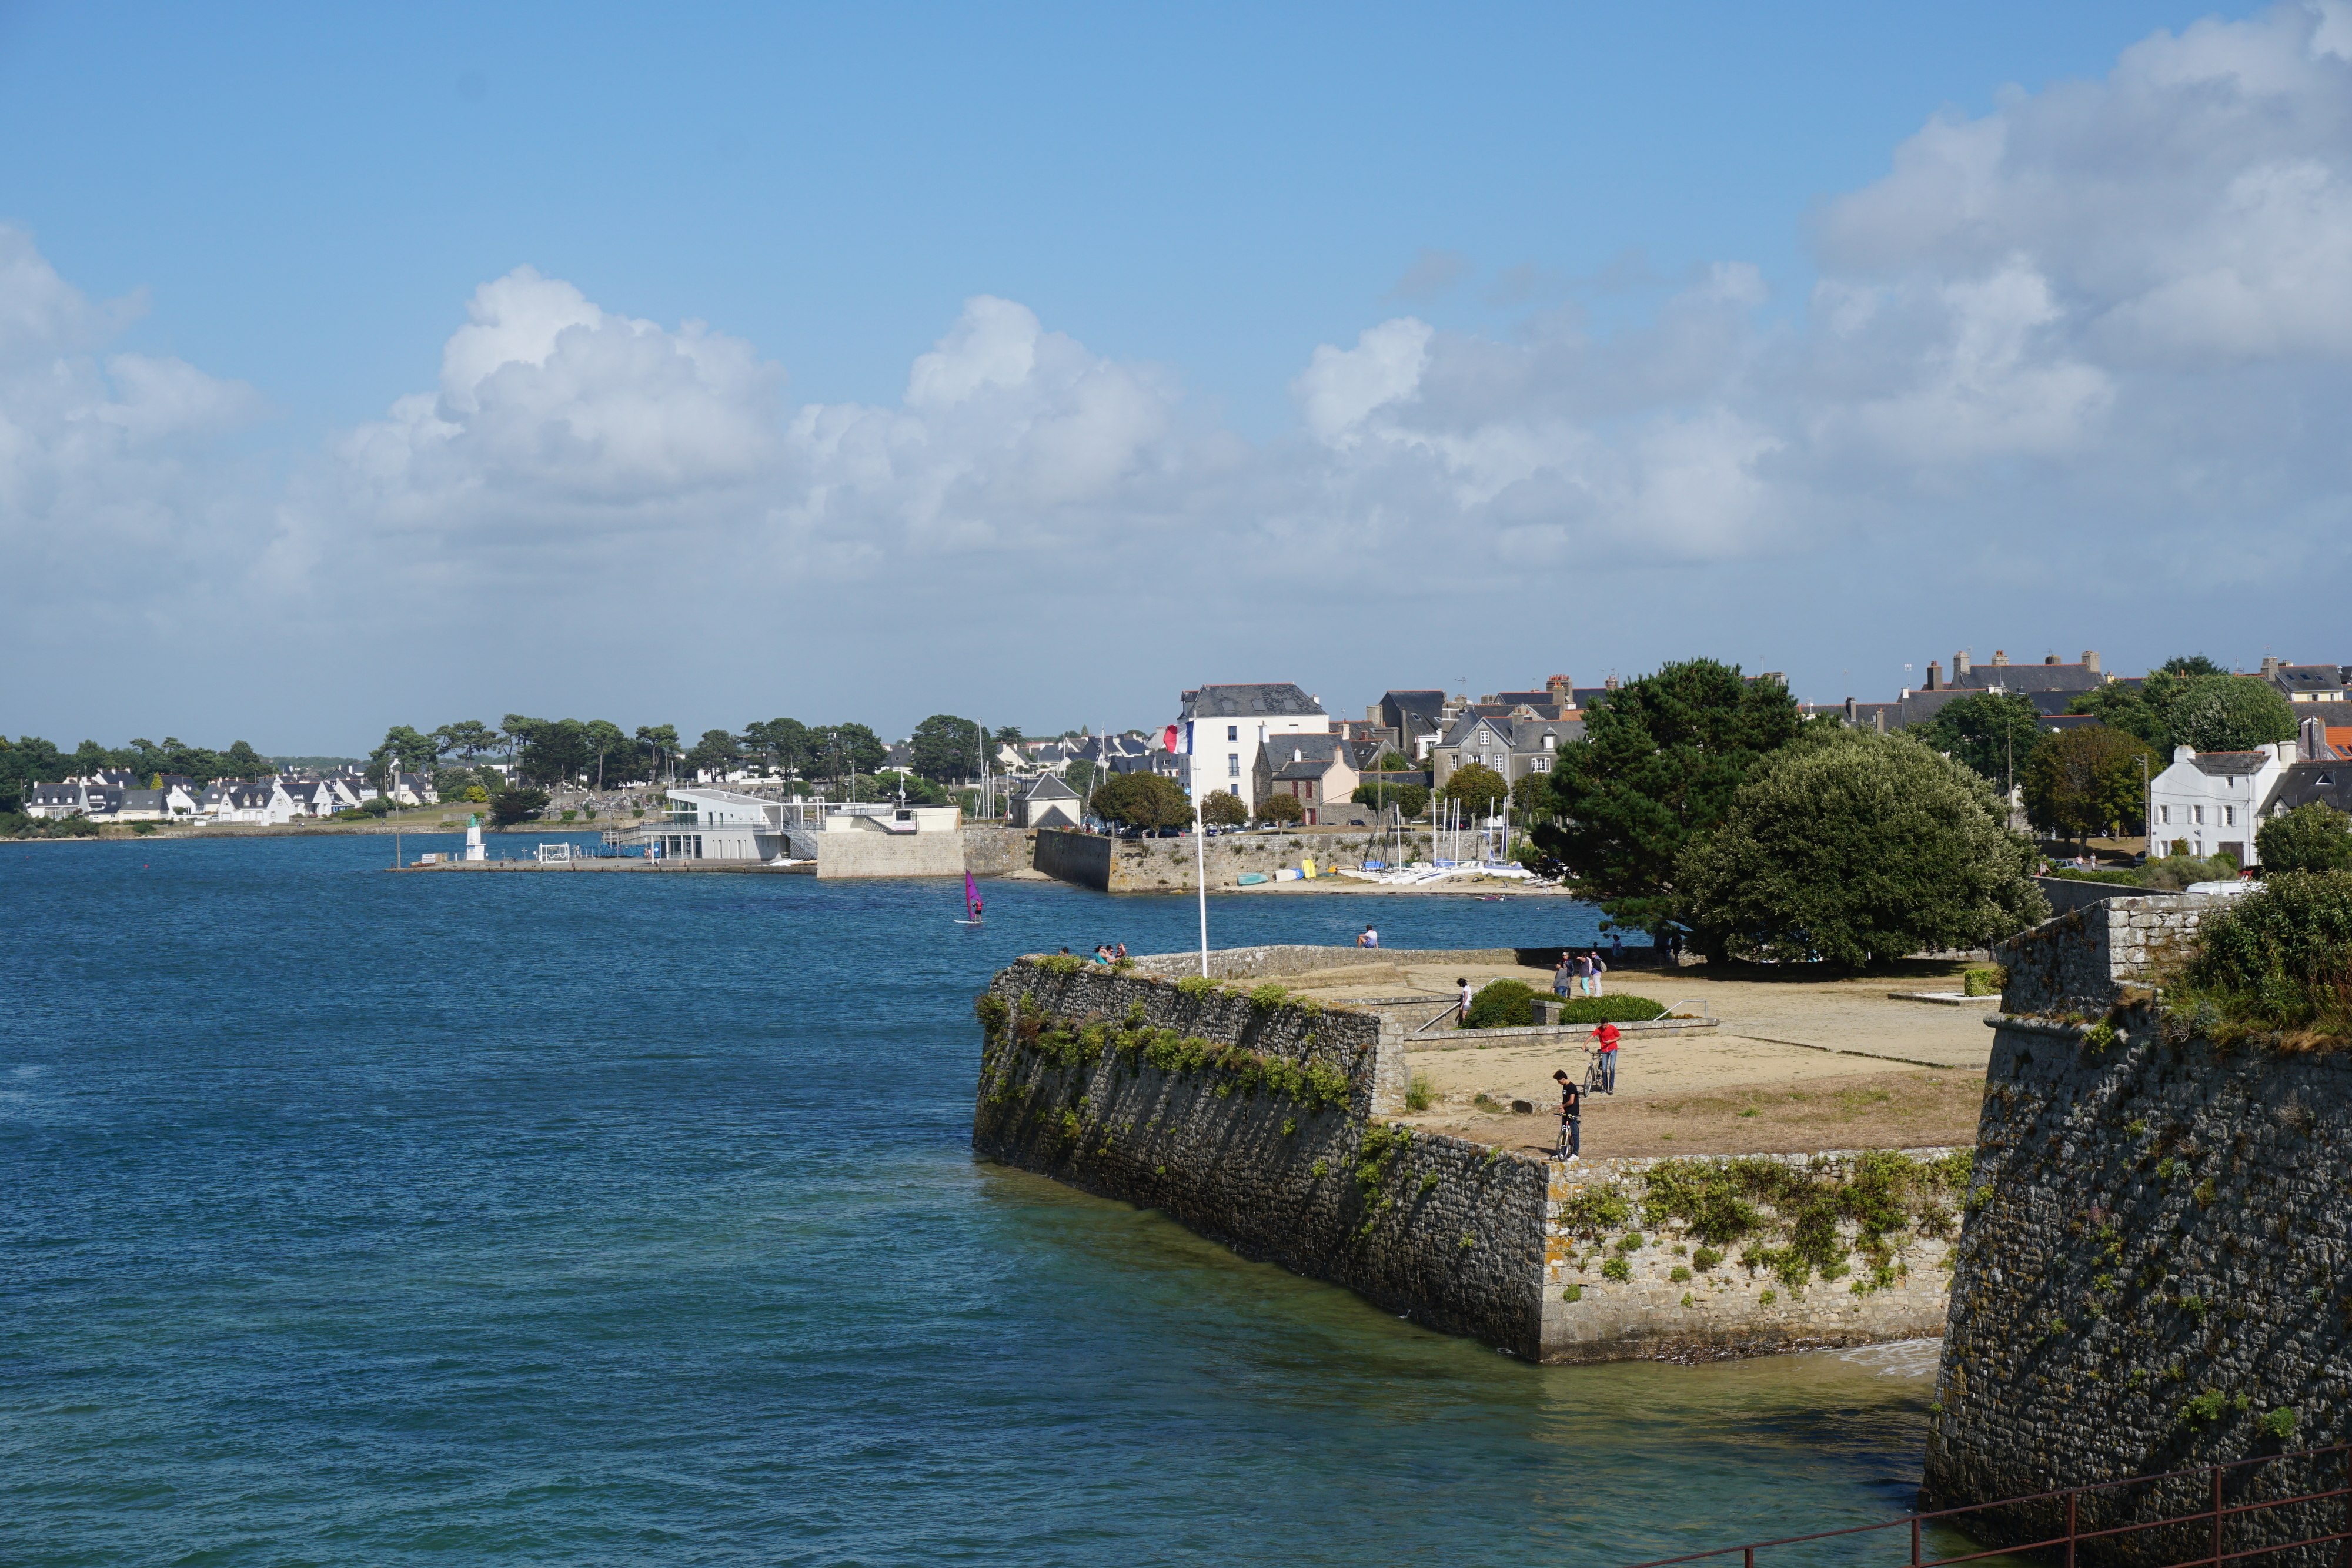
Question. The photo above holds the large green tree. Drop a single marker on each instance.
(1141, 800)
(1409, 799)
(2315, 836)
(945, 747)
(1991, 732)
(1479, 787)
(2149, 709)
(783, 746)
(2088, 780)
(1859, 848)
(554, 751)
(1222, 808)
(659, 743)
(716, 753)
(2231, 713)
(616, 753)
(468, 738)
(846, 750)
(1660, 759)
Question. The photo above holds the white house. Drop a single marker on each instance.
(2211, 799)
(1047, 803)
(241, 800)
(1222, 730)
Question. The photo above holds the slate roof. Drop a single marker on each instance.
(2303, 783)
(1321, 750)
(1048, 788)
(1240, 700)
(2308, 679)
(2031, 678)
(2232, 764)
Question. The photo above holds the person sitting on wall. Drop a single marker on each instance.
(1370, 938)
(1607, 1035)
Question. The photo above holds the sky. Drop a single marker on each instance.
(361, 368)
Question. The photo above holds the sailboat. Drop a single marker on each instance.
(970, 901)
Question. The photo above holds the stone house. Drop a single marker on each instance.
(1318, 771)
(1046, 802)
(1512, 744)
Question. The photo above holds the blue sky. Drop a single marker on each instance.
(1363, 347)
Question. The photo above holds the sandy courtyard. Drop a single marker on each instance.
(1798, 1064)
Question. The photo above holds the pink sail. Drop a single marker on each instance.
(970, 897)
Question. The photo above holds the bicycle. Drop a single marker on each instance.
(1564, 1147)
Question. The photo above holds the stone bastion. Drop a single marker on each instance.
(2151, 1274)
(1256, 1119)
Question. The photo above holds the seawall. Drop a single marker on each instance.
(1256, 1120)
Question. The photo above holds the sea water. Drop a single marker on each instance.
(562, 1218)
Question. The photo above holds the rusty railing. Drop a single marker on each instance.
(2216, 1516)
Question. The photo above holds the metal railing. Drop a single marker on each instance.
(2209, 1524)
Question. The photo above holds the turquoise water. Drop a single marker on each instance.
(548, 1217)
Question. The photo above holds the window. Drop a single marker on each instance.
(1233, 732)
(1543, 764)
(2164, 814)
(2197, 814)
(2229, 816)
(1233, 764)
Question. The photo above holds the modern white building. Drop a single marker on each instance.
(2211, 801)
(1221, 731)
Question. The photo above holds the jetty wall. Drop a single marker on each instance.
(1258, 1119)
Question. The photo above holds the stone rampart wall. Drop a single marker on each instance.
(2152, 1275)
(989, 850)
(859, 854)
(2090, 958)
(1721, 1308)
(1439, 1228)
(1078, 1083)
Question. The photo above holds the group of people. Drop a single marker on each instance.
(1582, 970)
(1107, 953)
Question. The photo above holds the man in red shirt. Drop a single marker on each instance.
(1607, 1035)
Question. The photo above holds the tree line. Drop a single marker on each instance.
(28, 760)
(597, 754)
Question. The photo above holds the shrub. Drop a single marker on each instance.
(1573, 1293)
(2278, 1424)
(1502, 1004)
(1617, 1269)
(1680, 1275)
(1986, 980)
(1706, 1257)
(1609, 1009)
(2204, 1409)
(2278, 957)
(2315, 836)
(1420, 1094)
(1629, 1242)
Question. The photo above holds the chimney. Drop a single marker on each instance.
(2091, 661)
(1610, 684)
(1563, 691)
(1960, 668)
(1851, 716)
(2269, 666)
(1935, 677)
(2000, 656)
(2049, 658)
